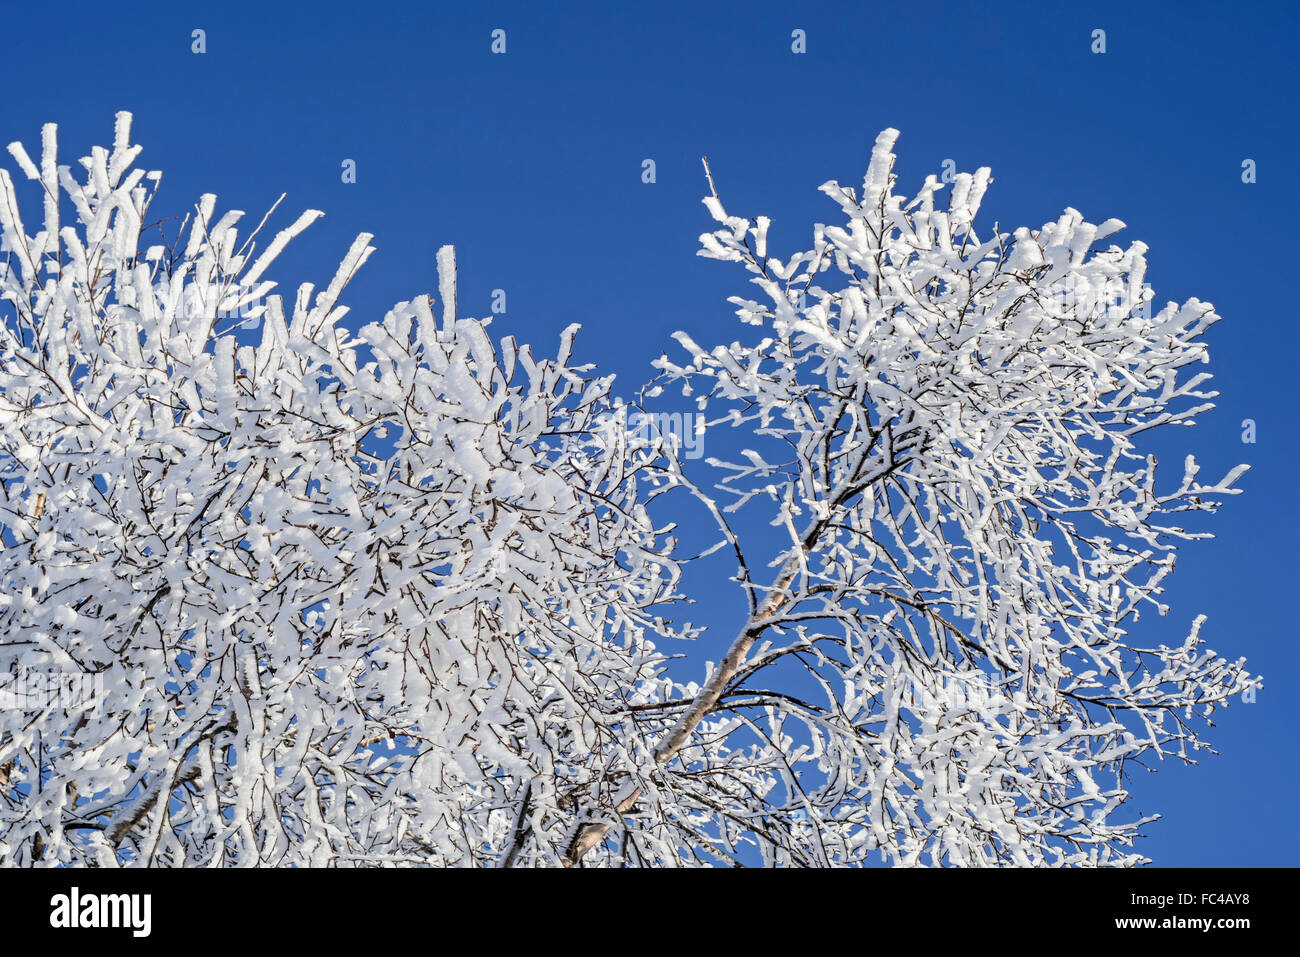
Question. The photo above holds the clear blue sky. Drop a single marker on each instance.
(531, 164)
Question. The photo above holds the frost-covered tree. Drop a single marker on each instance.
(372, 597)
(402, 595)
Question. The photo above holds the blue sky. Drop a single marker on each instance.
(530, 163)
